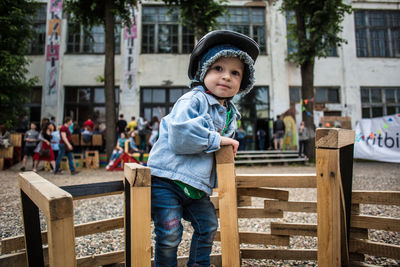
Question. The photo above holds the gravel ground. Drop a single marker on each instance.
(367, 176)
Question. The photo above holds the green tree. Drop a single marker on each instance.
(200, 15)
(316, 29)
(15, 34)
(104, 12)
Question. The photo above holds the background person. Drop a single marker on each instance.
(31, 138)
(66, 147)
(279, 132)
(43, 150)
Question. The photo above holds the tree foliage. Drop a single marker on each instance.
(15, 33)
(200, 15)
(316, 28)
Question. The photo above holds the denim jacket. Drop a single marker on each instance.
(188, 136)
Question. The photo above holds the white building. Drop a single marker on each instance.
(361, 79)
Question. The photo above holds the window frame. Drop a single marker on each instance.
(364, 46)
(383, 104)
(167, 104)
(91, 103)
(328, 88)
(83, 34)
(37, 45)
(152, 39)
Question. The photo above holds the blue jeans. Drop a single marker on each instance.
(169, 205)
(61, 153)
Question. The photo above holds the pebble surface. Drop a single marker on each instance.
(367, 176)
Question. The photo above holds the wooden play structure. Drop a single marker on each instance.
(342, 231)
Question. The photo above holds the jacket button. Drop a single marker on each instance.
(221, 111)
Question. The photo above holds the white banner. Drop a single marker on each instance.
(378, 139)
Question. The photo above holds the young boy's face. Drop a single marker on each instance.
(224, 77)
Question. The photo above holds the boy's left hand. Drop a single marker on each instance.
(226, 141)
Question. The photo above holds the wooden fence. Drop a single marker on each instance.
(338, 209)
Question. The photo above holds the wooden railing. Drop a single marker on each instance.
(334, 244)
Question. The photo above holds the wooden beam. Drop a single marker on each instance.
(260, 238)
(333, 138)
(17, 242)
(84, 191)
(102, 259)
(138, 183)
(329, 220)
(276, 180)
(293, 229)
(264, 193)
(279, 254)
(54, 202)
(376, 197)
(228, 212)
(259, 213)
(291, 206)
(375, 248)
(374, 222)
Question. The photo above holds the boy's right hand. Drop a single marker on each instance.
(226, 141)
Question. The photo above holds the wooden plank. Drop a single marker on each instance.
(291, 206)
(270, 155)
(276, 180)
(293, 229)
(140, 213)
(279, 254)
(17, 242)
(102, 259)
(228, 212)
(82, 191)
(61, 242)
(52, 200)
(12, 260)
(270, 160)
(259, 238)
(333, 138)
(376, 197)
(258, 213)
(328, 195)
(264, 193)
(375, 248)
(374, 222)
(266, 152)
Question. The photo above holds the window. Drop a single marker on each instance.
(292, 44)
(162, 32)
(249, 21)
(38, 43)
(82, 102)
(322, 95)
(377, 102)
(255, 104)
(34, 105)
(159, 101)
(377, 33)
(90, 40)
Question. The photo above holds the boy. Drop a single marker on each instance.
(181, 161)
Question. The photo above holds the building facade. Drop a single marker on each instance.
(360, 79)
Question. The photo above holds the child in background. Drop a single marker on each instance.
(118, 150)
(182, 160)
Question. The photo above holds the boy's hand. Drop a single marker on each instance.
(226, 141)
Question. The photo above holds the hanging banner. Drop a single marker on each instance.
(130, 57)
(378, 139)
(53, 42)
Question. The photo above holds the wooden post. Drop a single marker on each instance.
(38, 193)
(334, 164)
(137, 182)
(228, 214)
